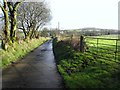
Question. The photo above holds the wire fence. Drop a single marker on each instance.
(104, 48)
(100, 48)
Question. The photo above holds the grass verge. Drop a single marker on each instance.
(19, 50)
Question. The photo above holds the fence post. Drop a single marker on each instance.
(81, 44)
(71, 39)
(97, 45)
(116, 50)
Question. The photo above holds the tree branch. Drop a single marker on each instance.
(10, 6)
(16, 5)
(2, 8)
(5, 4)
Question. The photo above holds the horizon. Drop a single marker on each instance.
(84, 28)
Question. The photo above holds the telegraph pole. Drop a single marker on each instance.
(58, 25)
(58, 28)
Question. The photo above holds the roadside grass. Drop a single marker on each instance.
(19, 50)
(86, 70)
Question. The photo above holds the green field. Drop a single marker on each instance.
(107, 36)
(109, 45)
(95, 68)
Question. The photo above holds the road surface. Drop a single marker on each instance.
(35, 70)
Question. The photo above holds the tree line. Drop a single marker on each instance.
(27, 17)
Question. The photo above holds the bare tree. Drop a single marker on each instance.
(32, 16)
(4, 8)
(13, 6)
(10, 14)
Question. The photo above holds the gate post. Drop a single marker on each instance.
(81, 44)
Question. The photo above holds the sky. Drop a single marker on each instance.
(75, 14)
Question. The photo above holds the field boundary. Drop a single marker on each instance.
(97, 44)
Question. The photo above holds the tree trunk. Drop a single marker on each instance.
(13, 26)
(31, 34)
(5, 43)
(13, 14)
(6, 30)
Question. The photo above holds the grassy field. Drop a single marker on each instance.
(111, 42)
(107, 45)
(18, 50)
(107, 36)
(89, 69)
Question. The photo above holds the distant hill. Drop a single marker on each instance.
(91, 31)
(98, 29)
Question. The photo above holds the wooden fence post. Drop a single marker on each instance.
(81, 44)
(97, 45)
(116, 50)
(71, 37)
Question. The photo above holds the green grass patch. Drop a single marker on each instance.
(86, 70)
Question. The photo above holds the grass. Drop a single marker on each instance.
(114, 36)
(104, 47)
(19, 50)
(109, 36)
(86, 70)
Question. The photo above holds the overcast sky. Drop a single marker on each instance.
(73, 14)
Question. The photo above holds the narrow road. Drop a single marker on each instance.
(35, 70)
